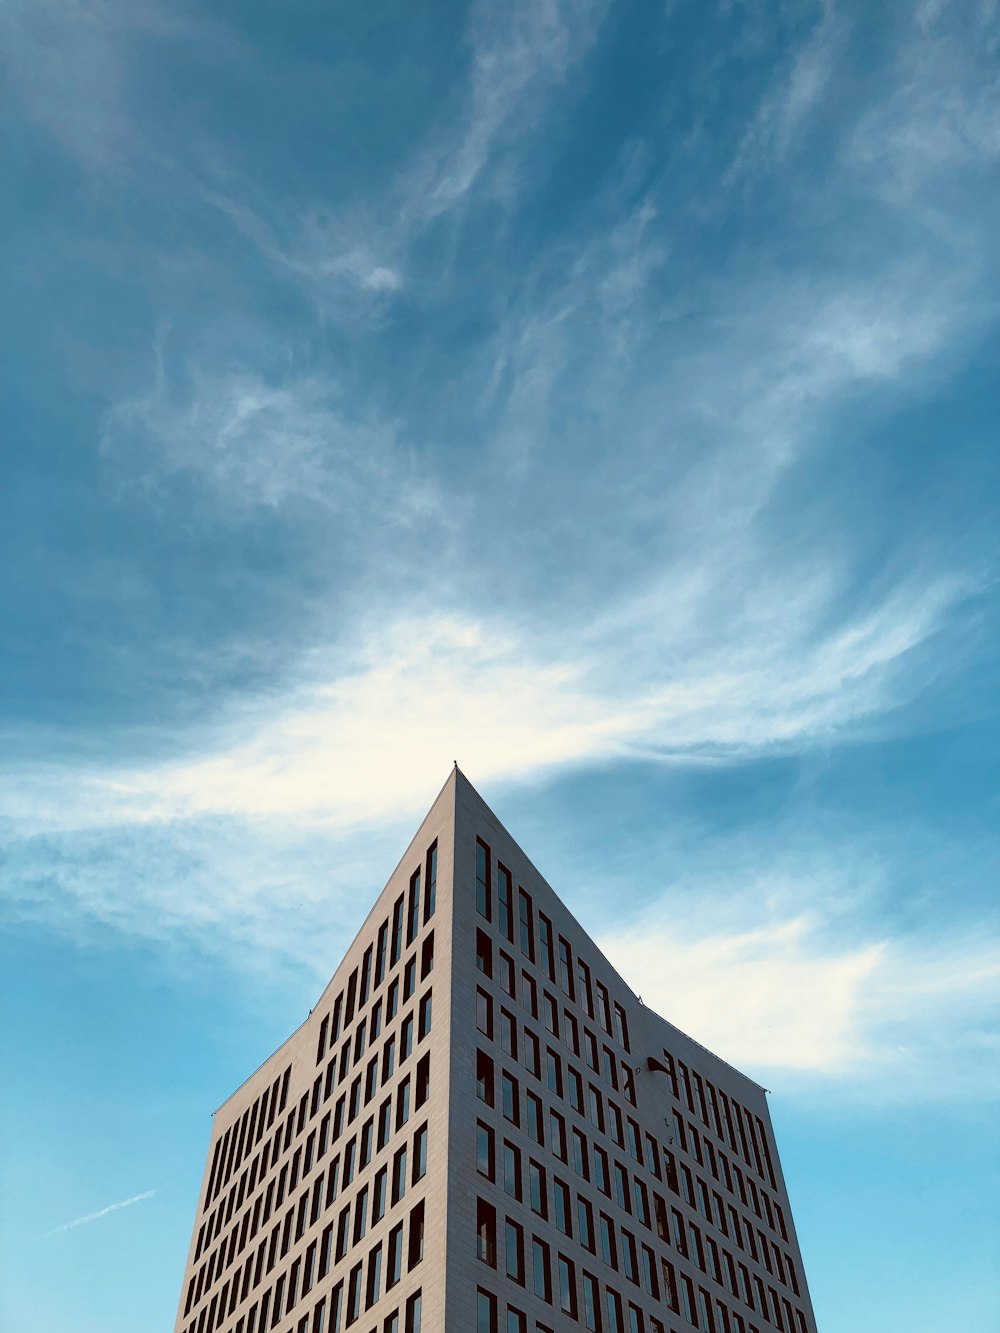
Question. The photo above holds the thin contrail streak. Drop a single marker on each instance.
(101, 1212)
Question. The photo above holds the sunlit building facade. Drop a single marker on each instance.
(481, 1129)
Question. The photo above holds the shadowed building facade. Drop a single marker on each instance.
(481, 1129)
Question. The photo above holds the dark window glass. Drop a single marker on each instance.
(483, 904)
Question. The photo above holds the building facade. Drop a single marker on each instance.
(480, 1128)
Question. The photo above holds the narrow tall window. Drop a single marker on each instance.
(527, 924)
(413, 908)
(486, 1312)
(397, 931)
(430, 897)
(545, 940)
(486, 1233)
(505, 918)
(483, 904)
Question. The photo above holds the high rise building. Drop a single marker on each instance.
(481, 1129)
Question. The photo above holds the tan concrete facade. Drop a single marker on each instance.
(482, 1145)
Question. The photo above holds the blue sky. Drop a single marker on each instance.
(602, 395)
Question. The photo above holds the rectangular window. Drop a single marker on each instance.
(514, 1247)
(507, 974)
(533, 1117)
(486, 1233)
(527, 925)
(415, 1239)
(621, 1026)
(508, 1033)
(484, 1013)
(536, 1189)
(413, 908)
(484, 1078)
(609, 1249)
(427, 957)
(419, 1154)
(614, 1308)
(381, 949)
(560, 1198)
(423, 1079)
(545, 940)
(430, 897)
(413, 1313)
(399, 1174)
(557, 1134)
(591, 1302)
(394, 1256)
(585, 1223)
(484, 1150)
(424, 1016)
(397, 931)
(553, 1071)
(483, 896)
(540, 1269)
(586, 993)
(484, 953)
(366, 974)
(504, 918)
(511, 1170)
(532, 1054)
(373, 1284)
(529, 994)
(516, 1321)
(510, 1099)
(567, 1286)
(379, 1188)
(486, 1312)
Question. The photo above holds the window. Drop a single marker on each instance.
(413, 908)
(560, 1199)
(484, 1150)
(567, 1286)
(511, 1170)
(609, 1250)
(532, 1056)
(397, 931)
(507, 974)
(388, 1059)
(553, 1071)
(378, 1195)
(621, 1026)
(484, 953)
(550, 1013)
(540, 1269)
(557, 1134)
(424, 1023)
(486, 1233)
(419, 1154)
(399, 1174)
(430, 898)
(486, 1312)
(484, 1079)
(527, 927)
(529, 994)
(614, 1307)
(571, 1032)
(545, 940)
(409, 978)
(580, 1163)
(353, 1295)
(381, 949)
(536, 1189)
(591, 1302)
(373, 1285)
(508, 1033)
(413, 1305)
(510, 1098)
(504, 919)
(575, 1089)
(423, 1079)
(533, 1117)
(415, 1240)
(394, 1256)
(484, 1013)
(514, 1245)
(384, 1122)
(406, 1038)
(483, 904)
(360, 1215)
(585, 1223)
(516, 1321)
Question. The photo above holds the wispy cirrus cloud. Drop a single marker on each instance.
(101, 1212)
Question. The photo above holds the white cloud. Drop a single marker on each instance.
(101, 1212)
(882, 1017)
